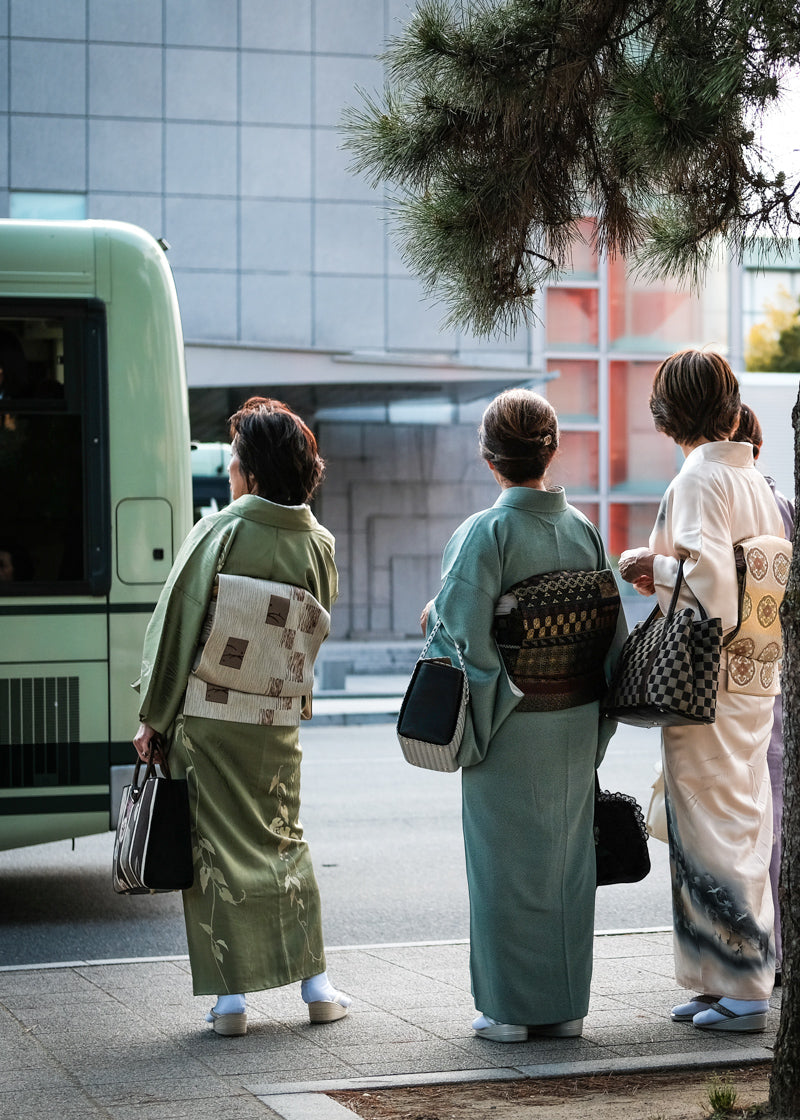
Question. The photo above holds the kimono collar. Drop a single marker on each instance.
(253, 508)
(723, 451)
(535, 501)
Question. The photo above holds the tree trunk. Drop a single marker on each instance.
(784, 1087)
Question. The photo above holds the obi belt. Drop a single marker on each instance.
(755, 647)
(255, 660)
(553, 632)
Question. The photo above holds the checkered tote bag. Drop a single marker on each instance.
(668, 670)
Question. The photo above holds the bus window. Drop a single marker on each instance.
(53, 488)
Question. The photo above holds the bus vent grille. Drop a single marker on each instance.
(40, 727)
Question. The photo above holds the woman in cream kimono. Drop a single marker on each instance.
(716, 778)
(227, 670)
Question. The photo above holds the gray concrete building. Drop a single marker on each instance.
(214, 125)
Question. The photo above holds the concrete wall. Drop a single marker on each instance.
(392, 497)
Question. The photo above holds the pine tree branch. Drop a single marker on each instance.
(506, 121)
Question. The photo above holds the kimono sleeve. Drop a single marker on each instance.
(323, 577)
(694, 523)
(465, 605)
(607, 727)
(174, 630)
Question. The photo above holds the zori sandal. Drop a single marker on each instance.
(328, 1010)
(720, 1018)
(229, 1025)
(685, 1012)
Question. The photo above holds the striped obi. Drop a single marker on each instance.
(553, 632)
(255, 660)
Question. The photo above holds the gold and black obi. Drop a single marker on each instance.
(553, 632)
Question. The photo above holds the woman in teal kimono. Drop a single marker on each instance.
(528, 776)
(253, 911)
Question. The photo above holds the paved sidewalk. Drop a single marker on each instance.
(125, 1040)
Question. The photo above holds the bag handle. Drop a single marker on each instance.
(676, 591)
(458, 651)
(156, 744)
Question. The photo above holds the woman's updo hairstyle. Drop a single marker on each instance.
(277, 452)
(695, 396)
(519, 435)
(749, 430)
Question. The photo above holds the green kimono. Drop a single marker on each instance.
(253, 912)
(528, 778)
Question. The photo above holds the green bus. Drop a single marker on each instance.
(95, 499)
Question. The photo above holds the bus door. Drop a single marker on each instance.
(54, 569)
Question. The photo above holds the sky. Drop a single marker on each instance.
(780, 130)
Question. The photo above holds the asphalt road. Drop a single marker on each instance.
(386, 841)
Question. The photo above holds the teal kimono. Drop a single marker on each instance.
(253, 913)
(528, 778)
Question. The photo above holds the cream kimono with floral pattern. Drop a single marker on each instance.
(253, 913)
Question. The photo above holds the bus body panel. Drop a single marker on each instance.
(80, 650)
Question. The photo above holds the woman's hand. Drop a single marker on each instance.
(636, 567)
(141, 742)
(423, 618)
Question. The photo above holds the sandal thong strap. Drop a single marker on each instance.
(722, 1010)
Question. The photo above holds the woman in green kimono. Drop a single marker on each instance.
(528, 776)
(226, 674)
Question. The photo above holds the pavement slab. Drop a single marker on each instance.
(125, 1040)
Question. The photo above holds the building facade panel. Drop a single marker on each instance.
(276, 162)
(125, 80)
(202, 233)
(276, 88)
(47, 153)
(348, 239)
(209, 304)
(276, 25)
(335, 78)
(201, 84)
(349, 312)
(276, 309)
(414, 322)
(126, 156)
(145, 210)
(47, 77)
(348, 27)
(201, 159)
(276, 236)
(120, 21)
(202, 23)
(48, 19)
(333, 180)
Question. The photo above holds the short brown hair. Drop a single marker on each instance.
(519, 435)
(695, 396)
(277, 451)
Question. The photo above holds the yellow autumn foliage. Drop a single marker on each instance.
(763, 339)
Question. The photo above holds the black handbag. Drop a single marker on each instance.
(431, 720)
(620, 838)
(668, 670)
(153, 847)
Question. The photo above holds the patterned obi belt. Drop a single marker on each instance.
(255, 660)
(553, 632)
(755, 646)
